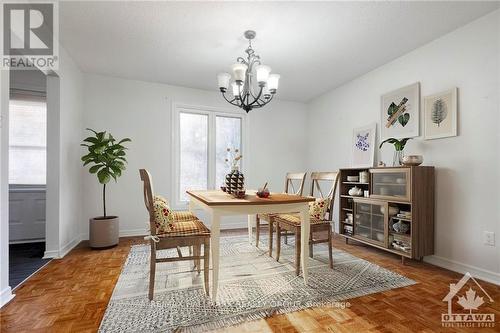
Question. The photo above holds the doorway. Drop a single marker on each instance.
(27, 174)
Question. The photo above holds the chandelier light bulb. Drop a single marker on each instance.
(266, 93)
(223, 80)
(262, 73)
(272, 83)
(236, 90)
(239, 71)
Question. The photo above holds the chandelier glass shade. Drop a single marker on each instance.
(253, 85)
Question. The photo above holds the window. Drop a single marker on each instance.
(27, 138)
(200, 144)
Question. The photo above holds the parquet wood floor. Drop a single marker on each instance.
(71, 295)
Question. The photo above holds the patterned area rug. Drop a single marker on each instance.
(251, 286)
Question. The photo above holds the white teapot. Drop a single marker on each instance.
(355, 191)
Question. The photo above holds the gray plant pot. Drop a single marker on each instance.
(103, 232)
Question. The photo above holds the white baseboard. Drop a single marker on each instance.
(64, 250)
(70, 246)
(134, 232)
(6, 296)
(51, 254)
(459, 267)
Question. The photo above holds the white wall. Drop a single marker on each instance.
(142, 111)
(467, 166)
(70, 172)
(5, 290)
(64, 175)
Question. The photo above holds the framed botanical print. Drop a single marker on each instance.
(400, 113)
(363, 146)
(440, 115)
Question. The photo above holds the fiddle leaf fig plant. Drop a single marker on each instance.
(399, 145)
(106, 157)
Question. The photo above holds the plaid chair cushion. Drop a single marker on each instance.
(266, 217)
(183, 216)
(186, 228)
(294, 219)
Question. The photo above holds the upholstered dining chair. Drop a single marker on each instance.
(321, 216)
(291, 177)
(185, 230)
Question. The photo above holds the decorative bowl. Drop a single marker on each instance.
(263, 193)
(392, 210)
(413, 160)
(400, 227)
(352, 178)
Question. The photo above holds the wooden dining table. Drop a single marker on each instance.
(217, 203)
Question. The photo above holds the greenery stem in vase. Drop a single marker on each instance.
(399, 146)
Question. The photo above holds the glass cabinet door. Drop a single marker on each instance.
(370, 220)
(391, 183)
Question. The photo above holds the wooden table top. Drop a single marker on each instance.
(219, 198)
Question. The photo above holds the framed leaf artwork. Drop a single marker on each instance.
(440, 115)
(363, 146)
(400, 113)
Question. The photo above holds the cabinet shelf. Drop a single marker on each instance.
(355, 183)
(349, 196)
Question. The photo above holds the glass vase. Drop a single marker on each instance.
(397, 160)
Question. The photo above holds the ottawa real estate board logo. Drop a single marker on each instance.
(465, 301)
(30, 35)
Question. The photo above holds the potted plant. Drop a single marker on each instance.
(106, 158)
(399, 146)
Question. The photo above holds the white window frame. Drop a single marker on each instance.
(212, 113)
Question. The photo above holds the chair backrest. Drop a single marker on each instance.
(329, 177)
(295, 176)
(148, 198)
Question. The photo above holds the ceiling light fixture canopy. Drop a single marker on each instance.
(245, 71)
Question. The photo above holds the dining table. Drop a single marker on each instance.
(217, 203)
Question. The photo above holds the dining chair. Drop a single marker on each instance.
(291, 177)
(185, 230)
(321, 216)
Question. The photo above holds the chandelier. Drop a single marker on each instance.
(243, 93)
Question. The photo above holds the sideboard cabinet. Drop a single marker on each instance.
(393, 209)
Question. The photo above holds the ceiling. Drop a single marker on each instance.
(315, 46)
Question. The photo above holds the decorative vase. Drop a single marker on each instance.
(234, 181)
(397, 160)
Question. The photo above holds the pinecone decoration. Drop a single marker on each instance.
(234, 181)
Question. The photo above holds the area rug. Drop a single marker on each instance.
(252, 285)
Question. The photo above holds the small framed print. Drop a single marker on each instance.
(440, 115)
(363, 146)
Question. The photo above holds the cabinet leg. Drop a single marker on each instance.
(403, 260)
(347, 240)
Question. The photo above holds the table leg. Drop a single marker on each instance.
(304, 240)
(214, 248)
(191, 205)
(252, 221)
